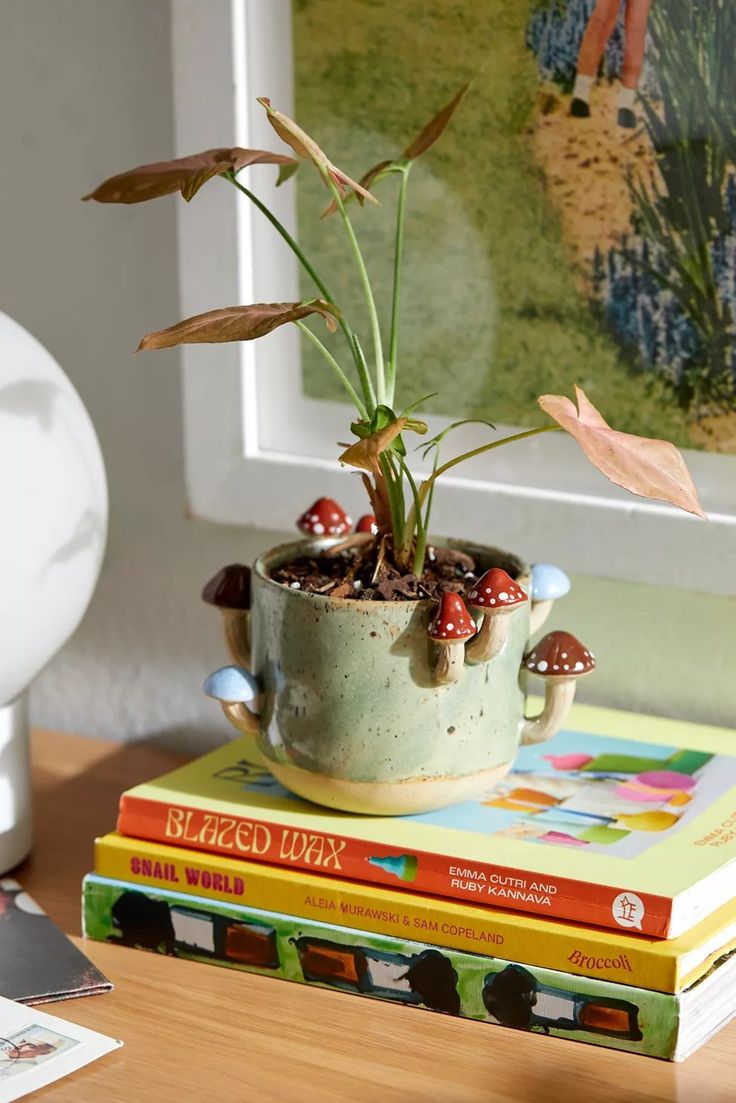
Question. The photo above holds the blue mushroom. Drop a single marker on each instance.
(232, 684)
(548, 582)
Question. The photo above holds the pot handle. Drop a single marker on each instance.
(558, 698)
(240, 695)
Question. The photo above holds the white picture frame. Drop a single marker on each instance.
(258, 451)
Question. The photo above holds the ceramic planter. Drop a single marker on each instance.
(343, 703)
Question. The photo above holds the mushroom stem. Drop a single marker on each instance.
(538, 614)
(559, 694)
(491, 637)
(449, 663)
(241, 717)
(354, 540)
(237, 635)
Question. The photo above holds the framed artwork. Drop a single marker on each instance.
(577, 223)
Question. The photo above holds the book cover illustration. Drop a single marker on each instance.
(607, 795)
(414, 974)
(606, 954)
(617, 828)
(38, 963)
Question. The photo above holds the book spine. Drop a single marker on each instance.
(491, 990)
(572, 949)
(436, 874)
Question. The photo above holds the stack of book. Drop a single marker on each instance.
(591, 896)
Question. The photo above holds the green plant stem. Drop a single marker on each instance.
(394, 502)
(367, 290)
(335, 367)
(414, 520)
(395, 300)
(365, 380)
(363, 372)
(429, 483)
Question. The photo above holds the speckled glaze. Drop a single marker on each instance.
(349, 713)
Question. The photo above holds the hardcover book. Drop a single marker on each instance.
(641, 960)
(38, 963)
(495, 990)
(619, 821)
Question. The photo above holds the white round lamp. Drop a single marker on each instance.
(53, 527)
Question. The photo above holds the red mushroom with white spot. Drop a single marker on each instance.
(367, 523)
(325, 518)
(450, 628)
(560, 659)
(496, 595)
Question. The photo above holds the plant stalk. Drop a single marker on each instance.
(335, 367)
(367, 290)
(319, 283)
(429, 482)
(398, 257)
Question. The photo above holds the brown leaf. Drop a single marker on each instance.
(423, 141)
(185, 174)
(651, 468)
(434, 128)
(365, 453)
(306, 147)
(365, 181)
(237, 323)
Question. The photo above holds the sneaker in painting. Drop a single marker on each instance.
(627, 118)
(579, 108)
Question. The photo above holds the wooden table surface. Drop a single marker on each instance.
(193, 1032)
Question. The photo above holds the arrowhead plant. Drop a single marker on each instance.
(401, 502)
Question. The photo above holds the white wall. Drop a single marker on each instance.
(85, 91)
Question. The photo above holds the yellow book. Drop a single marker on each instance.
(619, 821)
(665, 966)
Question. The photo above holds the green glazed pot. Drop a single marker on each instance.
(346, 711)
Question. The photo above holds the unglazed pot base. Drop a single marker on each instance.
(387, 798)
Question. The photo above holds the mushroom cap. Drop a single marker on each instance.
(548, 582)
(233, 684)
(229, 588)
(451, 622)
(559, 655)
(367, 523)
(325, 518)
(496, 592)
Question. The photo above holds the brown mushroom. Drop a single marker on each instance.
(449, 629)
(325, 518)
(495, 595)
(229, 591)
(560, 659)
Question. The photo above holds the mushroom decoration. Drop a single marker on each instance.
(495, 595)
(236, 689)
(449, 628)
(229, 591)
(367, 523)
(325, 518)
(559, 659)
(548, 583)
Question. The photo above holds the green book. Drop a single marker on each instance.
(487, 989)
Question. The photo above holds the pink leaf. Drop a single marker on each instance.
(306, 147)
(651, 468)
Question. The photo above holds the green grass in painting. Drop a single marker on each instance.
(491, 312)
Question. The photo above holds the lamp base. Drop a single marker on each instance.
(15, 784)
